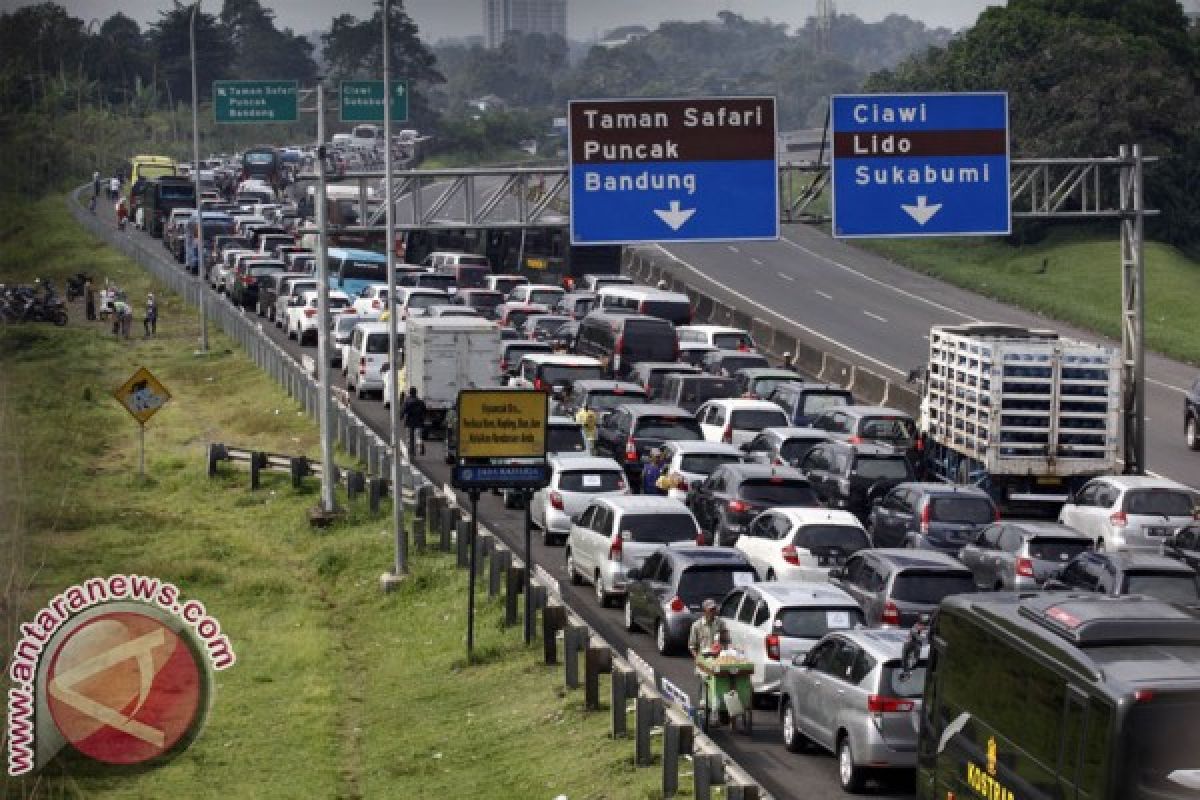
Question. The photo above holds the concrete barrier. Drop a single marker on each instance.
(703, 307)
(808, 359)
(721, 314)
(905, 399)
(741, 320)
(764, 336)
(836, 370)
(869, 387)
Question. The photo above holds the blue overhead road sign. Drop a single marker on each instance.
(921, 164)
(695, 170)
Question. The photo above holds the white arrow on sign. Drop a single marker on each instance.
(675, 217)
(921, 212)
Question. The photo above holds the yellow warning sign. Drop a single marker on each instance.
(502, 423)
(142, 395)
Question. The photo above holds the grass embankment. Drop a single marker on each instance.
(1071, 275)
(338, 690)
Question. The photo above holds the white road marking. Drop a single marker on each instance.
(732, 249)
(755, 260)
(785, 276)
(777, 315)
(826, 295)
(1160, 383)
(874, 316)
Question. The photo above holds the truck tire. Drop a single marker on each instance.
(1191, 434)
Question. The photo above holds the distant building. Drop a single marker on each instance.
(527, 16)
(622, 36)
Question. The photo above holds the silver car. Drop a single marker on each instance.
(851, 695)
(1021, 554)
(1130, 512)
(574, 482)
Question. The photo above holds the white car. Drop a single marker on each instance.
(691, 462)
(772, 623)
(565, 439)
(615, 534)
(737, 420)
(538, 294)
(1130, 512)
(372, 300)
(291, 286)
(365, 357)
(574, 482)
(219, 273)
(302, 315)
(720, 337)
(801, 544)
(412, 301)
(504, 283)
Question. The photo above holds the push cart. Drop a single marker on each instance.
(725, 689)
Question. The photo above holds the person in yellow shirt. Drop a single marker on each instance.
(587, 418)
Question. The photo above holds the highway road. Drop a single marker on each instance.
(878, 313)
(811, 776)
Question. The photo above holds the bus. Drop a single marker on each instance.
(351, 269)
(1060, 695)
(158, 197)
(262, 163)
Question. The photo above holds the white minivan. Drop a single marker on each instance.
(365, 357)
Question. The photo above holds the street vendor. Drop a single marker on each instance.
(707, 631)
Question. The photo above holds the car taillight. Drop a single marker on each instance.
(556, 501)
(996, 514)
(738, 506)
(537, 384)
(1119, 519)
(926, 515)
(772, 643)
(879, 704)
(504, 365)
(247, 280)
(699, 538)
(727, 435)
(310, 312)
(677, 604)
(891, 614)
(615, 548)
(620, 346)
(362, 366)
(790, 555)
(681, 485)
(1025, 567)
(855, 439)
(631, 453)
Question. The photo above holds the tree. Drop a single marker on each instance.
(262, 51)
(41, 50)
(171, 52)
(354, 49)
(120, 57)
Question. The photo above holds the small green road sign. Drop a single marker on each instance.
(362, 101)
(255, 101)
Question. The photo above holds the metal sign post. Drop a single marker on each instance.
(327, 469)
(199, 212)
(474, 497)
(142, 396)
(527, 496)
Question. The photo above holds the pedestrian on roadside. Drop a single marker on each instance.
(96, 183)
(118, 314)
(127, 321)
(89, 294)
(150, 323)
(413, 412)
(114, 187)
(122, 214)
(651, 473)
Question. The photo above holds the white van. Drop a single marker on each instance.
(366, 355)
(675, 307)
(366, 136)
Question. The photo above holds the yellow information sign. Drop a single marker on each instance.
(142, 395)
(502, 423)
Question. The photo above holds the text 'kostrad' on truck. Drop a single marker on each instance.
(1025, 414)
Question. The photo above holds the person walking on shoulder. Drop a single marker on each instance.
(413, 412)
(89, 299)
(150, 323)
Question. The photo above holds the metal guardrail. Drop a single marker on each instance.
(447, 524)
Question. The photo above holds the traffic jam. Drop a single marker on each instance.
(784, 547)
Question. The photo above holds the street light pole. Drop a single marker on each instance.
(328, 506)
(196, 160)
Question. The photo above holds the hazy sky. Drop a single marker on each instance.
(586, 19)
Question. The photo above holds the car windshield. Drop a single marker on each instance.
(701, 389)
(732, 341)
(485, 299)
(549, 324)
(346, 323)
(755, 419)
(700, 583)
(1045, 549)
(816, 402)
(792, 450)
(678, 312)
(545, 297)
(1170, 587)
(426, 300)
(813, 622)
(591, 481)
(377, 343)
(778, 492)
(882, 467)
(565, 439)
(896, 682)
(659, 528)
(557, 374)
(435, 281)
(338, 302)
(1158, 503)
(971, 510)
(705, 463)
(368, 270)
(605, 401)
(929, 588)
(472, 277)
(888, 429)
(764, 386)
(675, 429)
(846, 538)
(1161, 744)
(649, 340)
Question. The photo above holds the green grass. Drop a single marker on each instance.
(339, 690)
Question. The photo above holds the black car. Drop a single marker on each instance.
(726, 363)
(1191, 416)
(693, 391)
(931, 516)
(850, 476)
(601, 396)
(734, 494)
(630, 432)
(512, 351)
(1185, 546)
(622, 341)
(666, 593)
(482, 300)
(898, 587)
(1122, 573)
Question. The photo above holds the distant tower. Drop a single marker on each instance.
(825, 14)
(526, 16)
